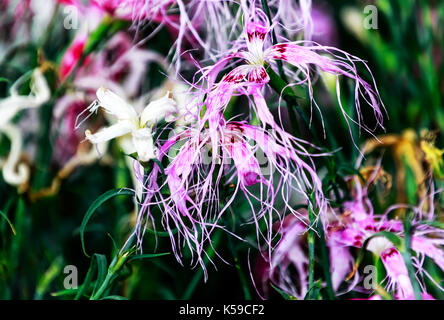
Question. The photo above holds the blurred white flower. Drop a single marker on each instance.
(139, 126)
(13, 172)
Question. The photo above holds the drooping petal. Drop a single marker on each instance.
(119, 129)
(246, 164)
(397, 273)
(9, 107)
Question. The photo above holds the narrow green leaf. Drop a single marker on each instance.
(405, 252)
(95, 205)
(88, 279)
(114, 297)
(148, 256)
(102, 269)
(44, 282)
(8, 221)
(62, 293)
(98, 265)
(284, 295)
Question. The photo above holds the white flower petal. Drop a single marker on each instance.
(9, 107)
(144, 144)
(119, 129)
(157, 110)
(115, 105)
(13, 172)
(40, 94)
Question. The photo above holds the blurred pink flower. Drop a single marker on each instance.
(358, 224)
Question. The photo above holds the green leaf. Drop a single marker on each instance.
(44, 282)
(314, 291)
(8, 221)
(88, 279)
(114, 297)
(62, 293)
(405, 252)
(106, 29)
(284, 295)
(102, 270)
(93, 268)
(148, 256)
(18, 241)
(325, 262)
(95, 205)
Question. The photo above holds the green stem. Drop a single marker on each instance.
(109, 278)
(408, 258)
(325, 262)
(311, 252)
(114, 268)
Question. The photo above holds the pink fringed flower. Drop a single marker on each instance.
(214, 154)
(350, 230)
(300, 54)
(290, 252)
(358, 224)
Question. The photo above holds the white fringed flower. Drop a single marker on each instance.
(139, 126)
(14, 173)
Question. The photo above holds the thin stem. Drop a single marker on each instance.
(325, 262)
(311, 252)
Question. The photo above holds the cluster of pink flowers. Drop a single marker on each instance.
(210, 160)
(196, 202)
(348, 230)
